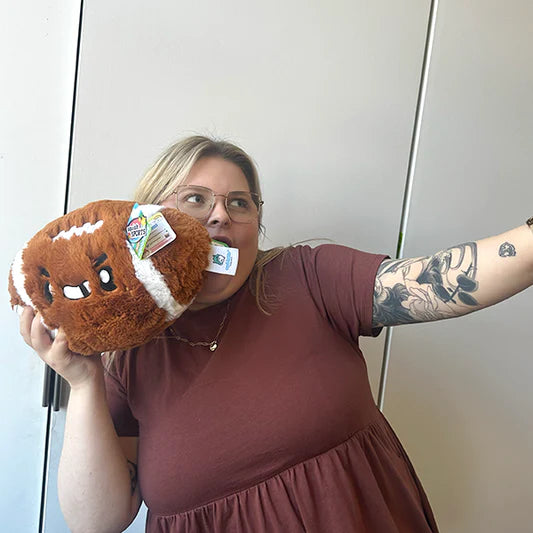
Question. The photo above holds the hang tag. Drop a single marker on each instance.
(137, 230)
(148, 230)
(160, 235)
(223, 259)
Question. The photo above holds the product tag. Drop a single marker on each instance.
(148, 235)
(223, 259)
(137, 230)
(161, 234)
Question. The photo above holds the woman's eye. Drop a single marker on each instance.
(195, 199)
(240, 203)
(106, 279)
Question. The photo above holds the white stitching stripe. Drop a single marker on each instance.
(19, 279)
(154, 282)
(77, 230)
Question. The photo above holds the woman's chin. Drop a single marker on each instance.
(213, 291)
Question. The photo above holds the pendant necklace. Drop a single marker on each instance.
(213, 345)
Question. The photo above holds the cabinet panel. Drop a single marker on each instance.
(321, 95)
(458, 391)
(37, 47)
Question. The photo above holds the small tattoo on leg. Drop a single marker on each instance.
(507, 250)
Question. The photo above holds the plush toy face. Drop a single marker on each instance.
(80, 272)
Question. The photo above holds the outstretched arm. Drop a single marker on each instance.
(455, 281)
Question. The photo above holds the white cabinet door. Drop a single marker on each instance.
(459, 391)
(37, 52)
(322, 95)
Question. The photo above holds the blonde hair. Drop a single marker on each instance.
(172, 168)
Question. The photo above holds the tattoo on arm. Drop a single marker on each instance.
(426, 288)
(507, 250)
(133, 475)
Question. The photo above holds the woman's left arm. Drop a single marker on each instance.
(455, 281)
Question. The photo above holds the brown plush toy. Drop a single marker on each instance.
(81, 273)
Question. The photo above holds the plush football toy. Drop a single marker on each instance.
(90, 273)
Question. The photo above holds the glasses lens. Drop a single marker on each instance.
(242, 206)
(195, 201)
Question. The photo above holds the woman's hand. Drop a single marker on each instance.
(77, 370)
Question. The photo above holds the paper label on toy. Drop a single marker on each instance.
(223, 259)
(161, 234)
(137, 230)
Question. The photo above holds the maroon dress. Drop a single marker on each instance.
(277, 430)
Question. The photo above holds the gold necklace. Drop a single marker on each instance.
(213, 345)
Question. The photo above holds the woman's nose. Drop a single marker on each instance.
(219, 215)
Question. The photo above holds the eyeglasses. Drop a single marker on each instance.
(241, 206)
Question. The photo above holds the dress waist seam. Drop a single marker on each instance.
(376, 423)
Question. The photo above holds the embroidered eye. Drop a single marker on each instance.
(47, 288)
(106, 279)
(48, 292)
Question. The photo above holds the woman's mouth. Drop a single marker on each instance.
(223, 239)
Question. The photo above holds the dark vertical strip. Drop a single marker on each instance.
(73, 112)
(55, 381)
(56, 401)
(45, 468)
(413, 152)
(48, 378)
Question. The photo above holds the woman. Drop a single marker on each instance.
(253, 412)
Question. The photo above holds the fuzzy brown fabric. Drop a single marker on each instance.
(118, 312)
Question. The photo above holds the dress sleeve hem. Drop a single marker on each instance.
(366, 324)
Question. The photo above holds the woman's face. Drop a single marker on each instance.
(221, 177)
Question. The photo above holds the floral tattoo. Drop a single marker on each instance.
(430, 288)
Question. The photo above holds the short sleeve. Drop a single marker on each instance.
(126, 425)
(341, 282)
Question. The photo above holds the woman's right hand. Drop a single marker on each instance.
(78, 370)
(93, 478)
